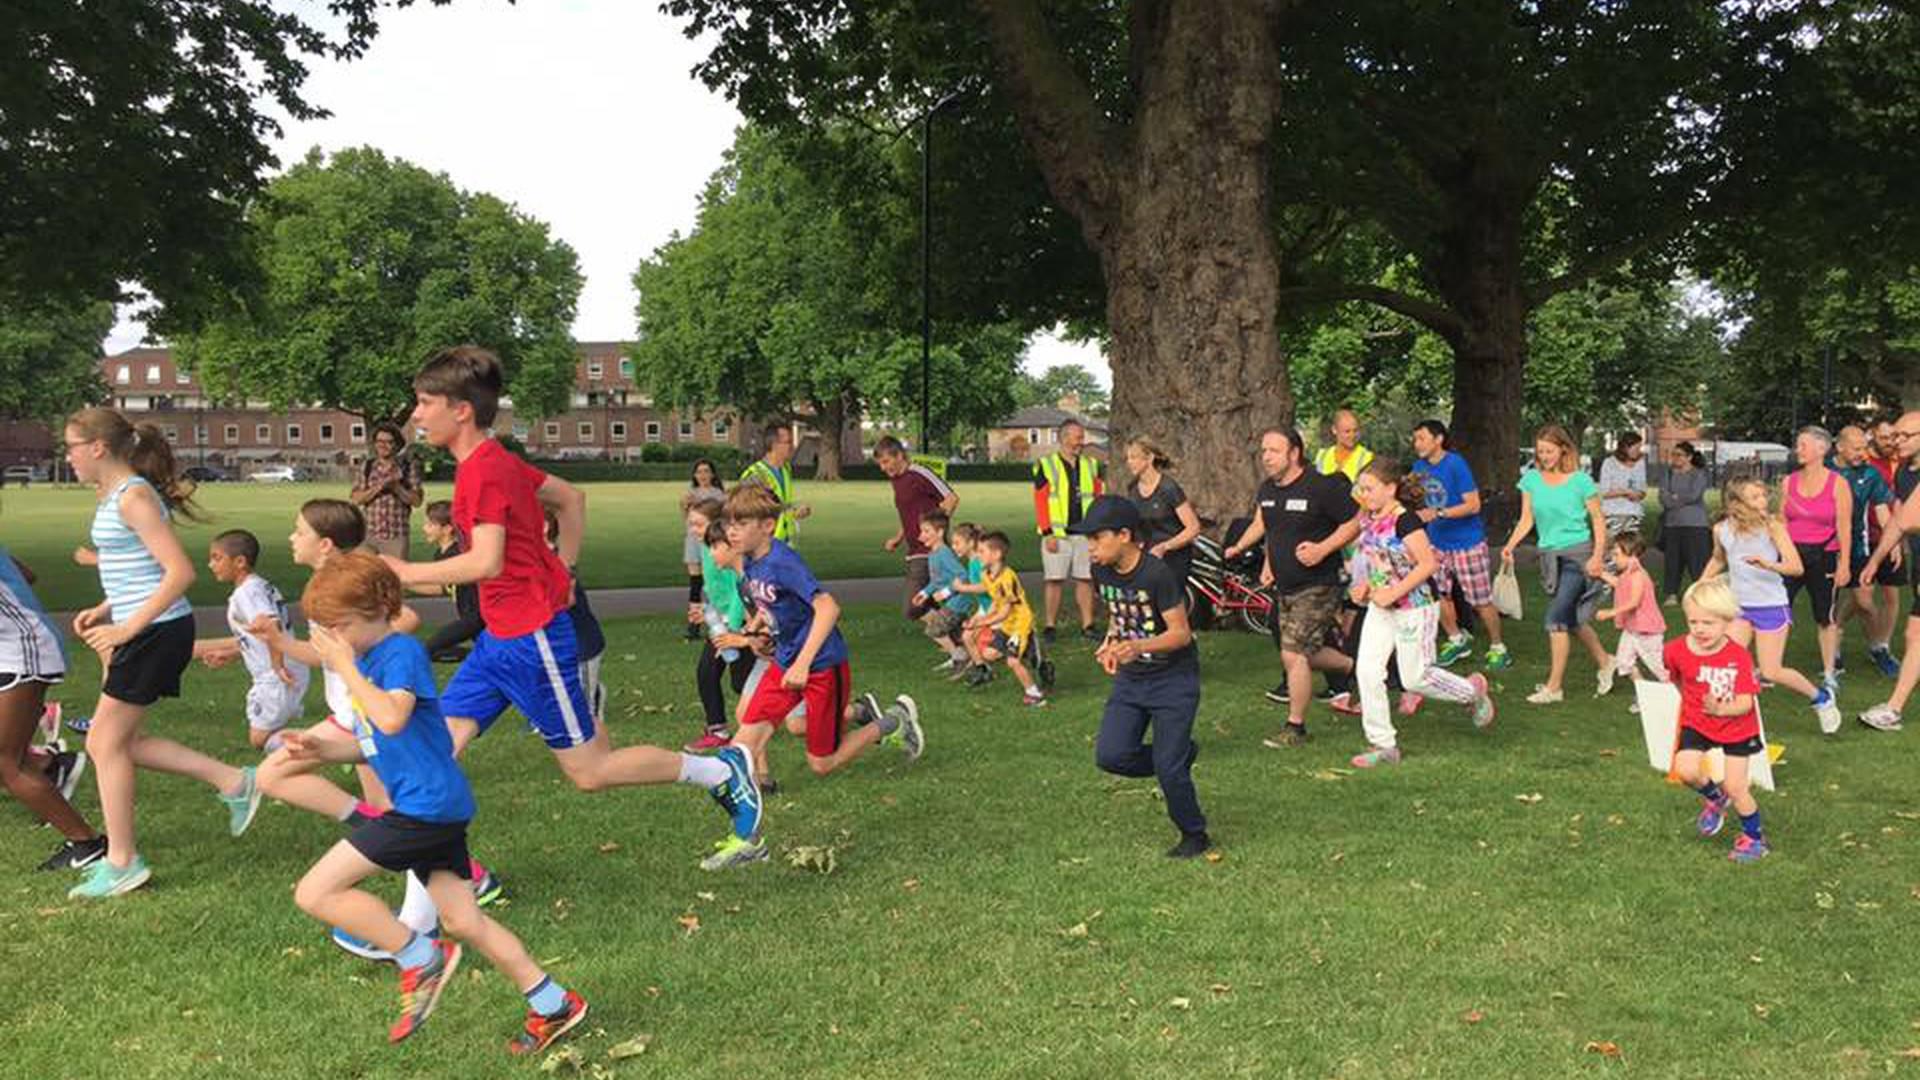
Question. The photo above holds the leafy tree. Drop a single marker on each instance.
(50, 359)
(1055, 383)
(371, 263)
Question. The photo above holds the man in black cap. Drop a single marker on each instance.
(1149, 652)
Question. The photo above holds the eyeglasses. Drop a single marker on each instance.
(1906, 434)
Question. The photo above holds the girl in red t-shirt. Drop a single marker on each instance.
(1714, 675)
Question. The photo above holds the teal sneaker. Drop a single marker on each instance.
(105, 880)
(1498, 659)
(733, 852)
(242, 806)
(1455, 650)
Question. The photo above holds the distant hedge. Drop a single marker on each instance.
(589, 471)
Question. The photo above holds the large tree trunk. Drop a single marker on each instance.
(830, 420)
(1176, 204)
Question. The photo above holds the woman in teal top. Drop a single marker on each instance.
(1563, 504)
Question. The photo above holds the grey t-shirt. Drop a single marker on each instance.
(1683, 499)
(1615, 475)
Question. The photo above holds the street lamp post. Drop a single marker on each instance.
(926, 269)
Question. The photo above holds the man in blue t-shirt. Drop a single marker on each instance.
(1459, 541)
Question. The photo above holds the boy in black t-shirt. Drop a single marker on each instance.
(1156, 670)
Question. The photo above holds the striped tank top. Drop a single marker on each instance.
(1753, 586)
(30, 645)
(129, 574)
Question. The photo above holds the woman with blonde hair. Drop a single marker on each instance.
(1753, 547)
(1169, 517)
(1563, 503)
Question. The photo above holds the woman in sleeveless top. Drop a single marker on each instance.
(1818, 504)
(1752, 547)
(143, 632)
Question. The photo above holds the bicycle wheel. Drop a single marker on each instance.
(1199, 611)
(1256, 617)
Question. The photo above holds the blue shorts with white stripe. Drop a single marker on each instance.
(537, 673)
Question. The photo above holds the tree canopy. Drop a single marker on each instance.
(50, 358)
(368, 263)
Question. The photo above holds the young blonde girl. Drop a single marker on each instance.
(1402, 613)
(1752, 548)
(1635, 613)
(143, 632)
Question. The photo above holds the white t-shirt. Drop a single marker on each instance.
(1615, 476)
(253, 598)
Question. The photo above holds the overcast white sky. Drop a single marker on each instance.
(582, 112)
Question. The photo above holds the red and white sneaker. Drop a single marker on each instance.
(421, 987)
(541, 1031)
(707, 743)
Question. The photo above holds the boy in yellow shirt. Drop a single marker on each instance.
(1000, 633)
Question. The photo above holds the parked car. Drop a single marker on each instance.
(279, 474)
(206, 474)
(19, 474)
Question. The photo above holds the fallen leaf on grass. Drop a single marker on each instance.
(1529, 798)
(1331, 774)
(1472, 1016)
(567, 1057)
(820, 860)
(1762, 1010)
(633, 1047)
(690, 923)
(1180, 1003)
(609, 847)
(1823, 901)
(1077, 930)
(1909, 1052)
(1220, 989)
(1907, 815)
(1608, 1048)
(707, 896)
(1214, 856)
(1609, 753)
(912, 884)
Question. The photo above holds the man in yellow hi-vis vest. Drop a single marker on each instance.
(1346, 456)
(1064, 486)
(774, 471)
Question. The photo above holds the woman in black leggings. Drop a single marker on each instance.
(1685, 538)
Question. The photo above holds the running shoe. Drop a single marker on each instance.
(1498, 658)
(738, 795)
(910, 736)
(869, 710)
(77, 854)
(1191, 845)
(242, 807)
(420, 989)
(1881, 718)
(1034, 701)
(709, 741)
(1455, 650)
(947, 666)
(1827, 711)
(1288, 737)
(1882, 658)
(733, 852)
(105, 880)
(1713, 815)
(65, 770)
(80, 725)
(361, 947)
(1376, 756)
(1047, 634)
(1410, 702)
(541, 1031)
(1543, 696)
(979, 675)
(50, 724)
(1483, 707)
(1747, 849)
(1278, 695)
(1343, 704)
(1092, 634)
(488, 889)
(1830, 682)
(1603, 682)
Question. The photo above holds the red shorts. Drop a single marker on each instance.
(826, 696)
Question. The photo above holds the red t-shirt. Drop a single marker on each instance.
(493, 487)
(1885, 467)
(1724, 675)
(917, 493)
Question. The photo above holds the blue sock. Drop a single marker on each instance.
(417, 952)
(548, 998)
(1750, 824)
(1711, 790)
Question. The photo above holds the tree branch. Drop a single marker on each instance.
(1063, 127)
(1435, 317)
(1599, 262)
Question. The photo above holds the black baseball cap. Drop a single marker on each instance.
(1109, 512)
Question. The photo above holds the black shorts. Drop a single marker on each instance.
(148, 668)
(1747, 747)
(399, 843)
(1890, 574)
(1817, 565)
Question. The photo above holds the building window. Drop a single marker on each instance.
(124, 376)
(617, 430)
(232, 432)
(172, 432)
(520, 431)
(585, 431)
(552, 431)
(626, 367)
(263, 433)
(1033, 436)
(293, 433)
(358, 433)
(181, 378)
(153, 374)
(720, 429)
(595, 369)
(326, 434)
(653, 431)
(199, 434)
(686, 430)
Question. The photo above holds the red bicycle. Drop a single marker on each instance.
(1220, 591)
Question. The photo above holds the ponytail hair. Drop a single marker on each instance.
(1152, 451)
(1408, 487)
(146, 451)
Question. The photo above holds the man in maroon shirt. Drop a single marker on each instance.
(917, 491)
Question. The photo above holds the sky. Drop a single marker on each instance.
(584, 113)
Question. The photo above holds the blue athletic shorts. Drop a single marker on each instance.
(537, 673)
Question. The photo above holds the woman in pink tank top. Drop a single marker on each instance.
(1817, 507)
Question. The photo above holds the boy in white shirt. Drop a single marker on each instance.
(279, 682)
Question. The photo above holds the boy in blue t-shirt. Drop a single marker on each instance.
(398, 731)
(942, 608)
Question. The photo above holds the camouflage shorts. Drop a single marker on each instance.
(1307, 618)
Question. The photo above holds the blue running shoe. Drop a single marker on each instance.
(1748, 849)
(739, 796)
(1882, 658)
(1713, 814)
(367, 950)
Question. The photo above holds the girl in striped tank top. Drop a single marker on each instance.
(1752, 548)
(143, 632)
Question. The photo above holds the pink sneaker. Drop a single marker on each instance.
(707, 743)
(1410, 702)
(1387, 755)
(1344, 704)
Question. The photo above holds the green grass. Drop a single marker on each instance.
(634, 531)
(1003, 910)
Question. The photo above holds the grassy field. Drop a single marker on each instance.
(633, 536)
(1510, 904)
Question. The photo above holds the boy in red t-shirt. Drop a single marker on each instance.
(1717, 690)
(527, 655)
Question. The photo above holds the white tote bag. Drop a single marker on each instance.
(1506, 592)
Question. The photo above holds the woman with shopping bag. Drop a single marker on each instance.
(1563, 503)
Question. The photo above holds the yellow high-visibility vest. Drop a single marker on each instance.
(1054, 472)
(1325, 462)
(780, 482)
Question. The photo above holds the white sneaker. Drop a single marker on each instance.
(1881, 718)
(1603, 682)
(1543, 696)
(1828, 714)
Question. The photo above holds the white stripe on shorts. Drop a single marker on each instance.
(559, 684)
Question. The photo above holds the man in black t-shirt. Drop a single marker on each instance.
(1148, 649)
(1904, 526)
(1305, 519)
